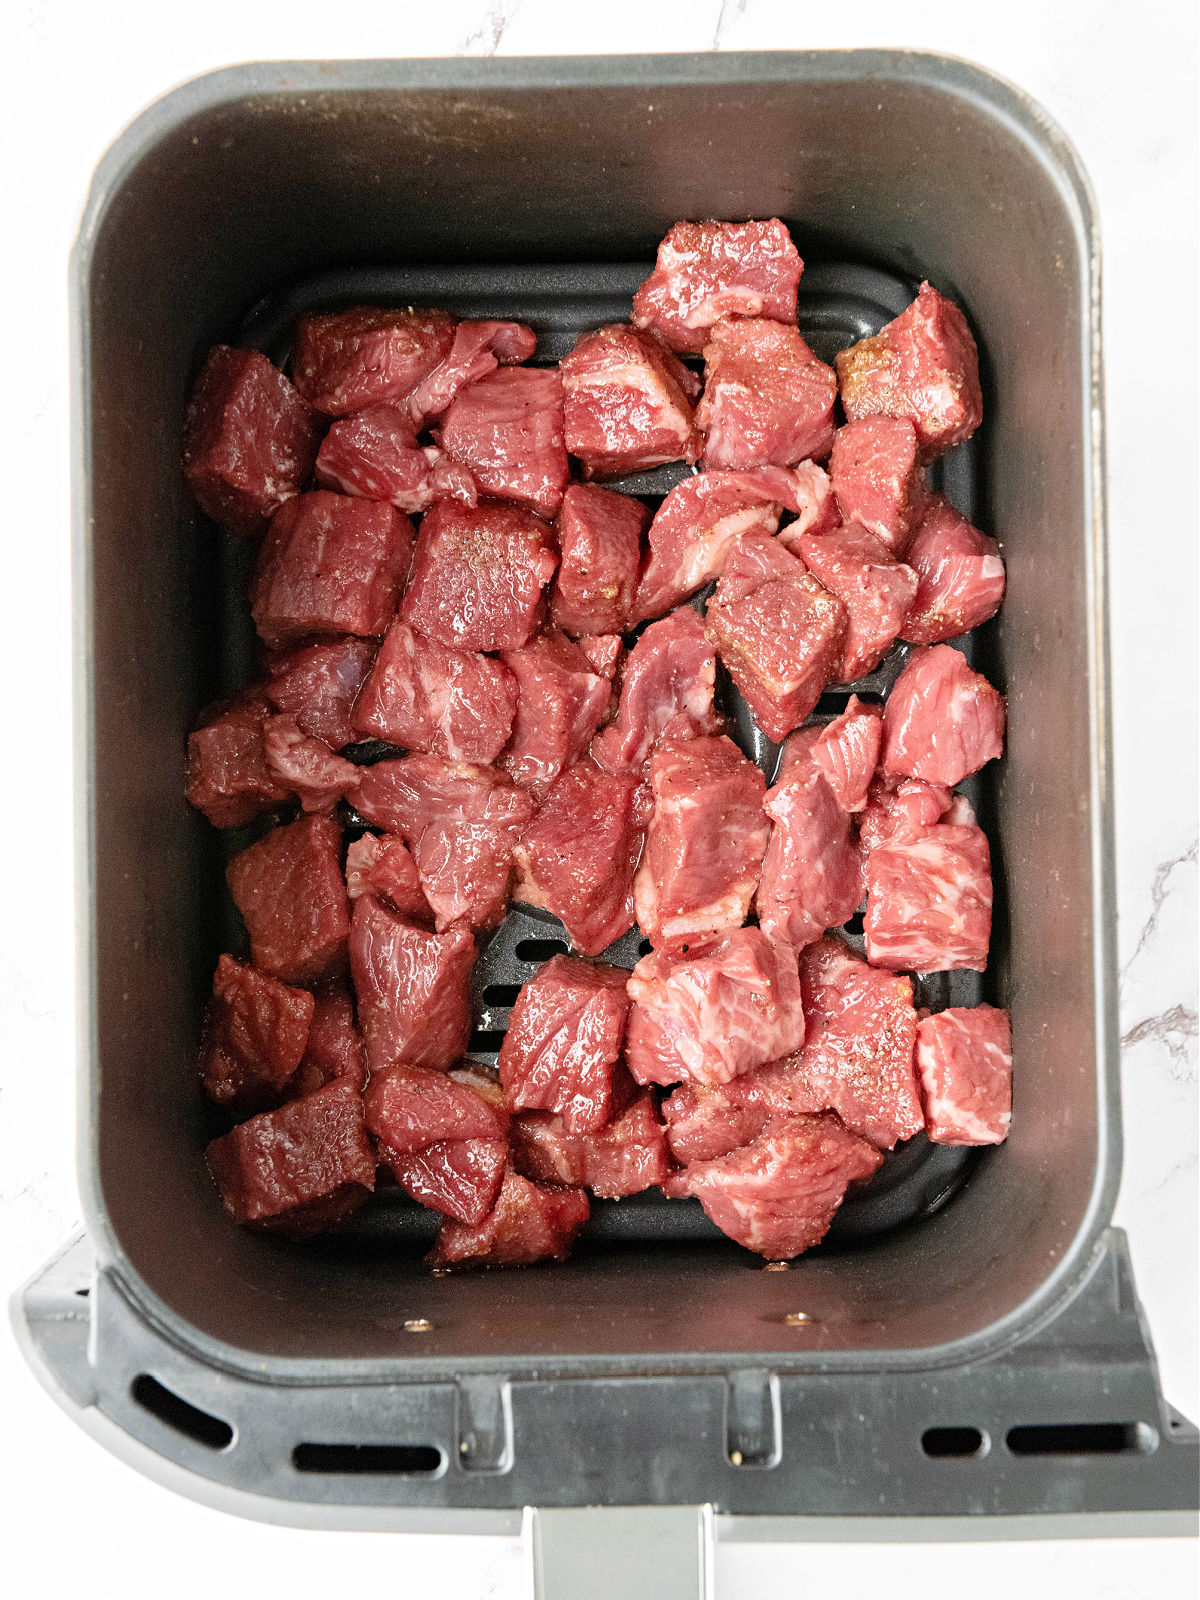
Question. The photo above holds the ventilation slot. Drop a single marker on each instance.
(382, 1460)
(179, 1414)
(951, 1442)
(485, 1041)
(501, 994)
(1081, 1439)
(644, 947)
(855, 925)
(539, 949)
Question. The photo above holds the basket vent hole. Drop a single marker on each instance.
(644, 947)
(483, 1041)
(381, 1460)
(501, 994)
(179, 1413)
(539, 949)
(1081, 1439)
(950, 1442)
(855, 925)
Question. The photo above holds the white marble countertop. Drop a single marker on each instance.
(1122, 81)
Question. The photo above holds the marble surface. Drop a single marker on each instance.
(1126, 95)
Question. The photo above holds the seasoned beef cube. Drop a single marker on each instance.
(478, 576)
(317, 684)
(461, 1178)
(628, 403)
(705, 843)
(599, 538)
(709, 270)
(942, 721)
(714, 1012)
(298, 1170)
(899, 809)
(507, 431)
(529, 1222)
(306, 766)
(768, 401)
(960, 576)
(227, 773)
(445, 1141)
(375, 455)
(436, 699)
(877, 480)
(814, 503)
(330, 564)
(249, 440)
(778, 1194)
(477, 350)
(964, 1061)
(875, 590)
(847, 752)
(929, 900)
(560, 704)
(255, 1031)
(627, 1155)
(924, 366)
(461, 823)
(564, 1039)
(334, 1048)
(345, 361)
(292, 896)
(779, 632)
(603, 651)
(413, 988)
(380, 864)
(578, 856)
(708, 1120)
(666, 693)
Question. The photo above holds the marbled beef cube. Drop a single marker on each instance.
(317, 684)
(768, 400)
(529, 1222)
(900, 808)
(964, 1060)
(345, 361)
(334, 1048)
(413, 988)
(626, 1156)
(709, 270)
(445, 1141)
(228, 778)
(563, 1041)
(875, 589)
(478, 348)
(560, 704)
(628, 403)
(599, 538)
(507, 431)
(708, 1120)
(292, 896)
(461, 1178)
(255, 1032)
(960, 576)
(307, 767)
(380, 864)
(942, 721)
(814, 503)
(929, 900)
(877, 479)
(847, 752)
(375, 455)
(666, 693)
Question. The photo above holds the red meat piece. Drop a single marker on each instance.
(379, 864)
(507, 430)
(317, 684)
(626, 1156)
(924, 366)
(292, 896)
(779, 632)
(778, 1194)
(330, 564)
(249, 440)
(478, 576)
(559, 707)
(900, 809)
(964, 1061)
(705, 844)
(563, 1041)
(713, 1012)
(708, 1120)
(529, 1222)
(929, 900)
(375, 455)
(814, 503)
(875, 590)
(578, 856)
(877, 480)
(628, 403)
(603, 651)
(847, 752)
(942, 721)
(227, 773)
(436, 699)
(709, 270)
(298, 1170)
(307, 766)
(477, 350)
(334, 1048)
(768, 401)
(444, 1139)
(255, 1030)
(413, 988)
(960, 576)
(459, 1177)
(461, 823)
(666, 693)
(599, 537)
(345, 361)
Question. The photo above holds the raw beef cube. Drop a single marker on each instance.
(459, 1177)
(560, 704)
(375, 455)
(847, 752)
(461, 823)
(877, 480)
(714, 1012)
(964, 1060)
(942, 721)
(507, 430)
(768, 401)
(478, 348)
(379, 864)
(292, 896)
(529, 1222)
(708, 1120)
(306, 766)
(709, 270)
(628, 403)
(960, 576)
(249, 440)
(814, 503)
(929, 900)
(317, 684)
(436, 699)
(778, 1194)
(627, 1155)
(334, 1048)
(705, 843)
(603, 651)
(666, 693)
(899, 809)
(875, 590)
(255, 1030)
(600, 539)
(578, 856)
(924, 366)
(779, 632)
(478, 576)
(445, 1142)
(564, 1039)
(227, 773)
(299, 1170)
(330, 564)
(345, 361)
(413, 988)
